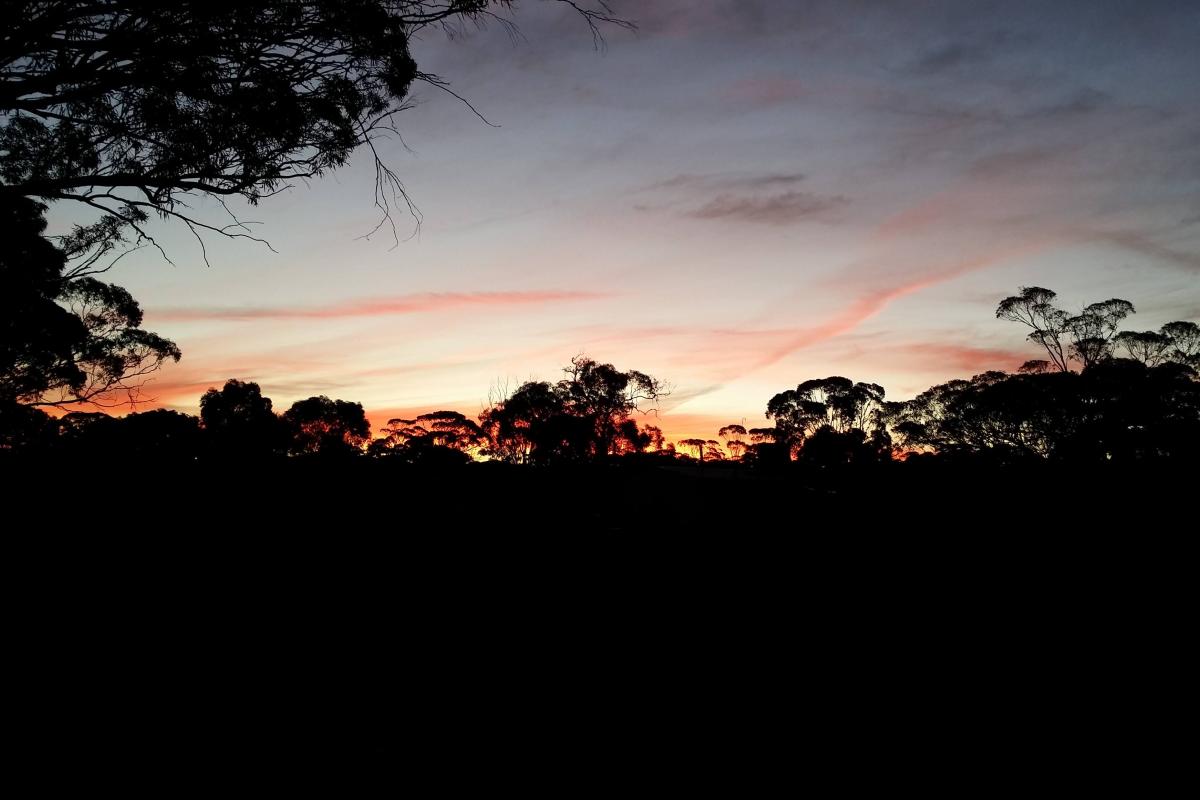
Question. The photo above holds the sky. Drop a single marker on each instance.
(740, 196)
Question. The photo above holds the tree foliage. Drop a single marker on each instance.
(320, 426)
(239, 420)
(1008, 416)
(583, 417)
(698, 445)
(733, 436)
(1034, 308)
(834, 402)
(65, 339)
(446, 437)
(132, 109)
(128, 107)
(1092, 336)
(1118, 410)
(1176, 342)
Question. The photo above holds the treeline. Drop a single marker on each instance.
(1102, 396)
(131, 137)
(586, 417)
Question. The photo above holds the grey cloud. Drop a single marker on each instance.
(949, 57)
(727, 182)
(677, 182)
(778, 209)
(1008, 163)
(768, 181)
(967, 52)
(1139, 243)
(1083, 101)
(740, 18)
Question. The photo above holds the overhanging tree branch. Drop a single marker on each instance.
(97, 96)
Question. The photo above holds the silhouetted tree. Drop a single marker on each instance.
(129, 107)
(695, 444)
(320, 426)
(1177, 342)
(1005, 416)
(1146, 347)
(443, 437)
(1034, 307)
(655, 440)
(25, 429)
(606, 397)
(238, 421)
(732, 434)
(762, 435)
(764, 451)
(827, 447)
(1131, 412)
(1087, 338)
(629, 438)
(1035, 367)
(82, 434)
(834, 402)
(583, 417)
(1116, 410)
(1185, 343)
(521, 425)
(65, 340)
(1092, 331)
(159, 435)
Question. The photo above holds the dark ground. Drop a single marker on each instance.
(186, 623)
(362, 496)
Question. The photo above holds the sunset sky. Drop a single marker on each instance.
(740, 196)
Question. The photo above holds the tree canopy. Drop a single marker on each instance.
(131, 109)
(321, 426)
(240, 421)
(65, 339)
(1091, 336)
(835, 402)
(128, 106)
(583, 417)
(445, 437)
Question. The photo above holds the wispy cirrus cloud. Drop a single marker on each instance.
(949, 56)
(952, 359)
(869, 303)
(727, 182)
(1142, 244)
(767, 90)
(767, 198)
(1081, 102)
(785, 208)
(966, 52)
(375, 307)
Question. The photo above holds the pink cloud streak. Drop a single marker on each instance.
(377, 307)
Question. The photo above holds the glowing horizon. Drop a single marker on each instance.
(743, 196)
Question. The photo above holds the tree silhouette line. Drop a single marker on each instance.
(127, 112)
(132, 110)
(1104, 395)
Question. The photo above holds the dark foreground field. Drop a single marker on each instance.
(359, 498)
(190, 624)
